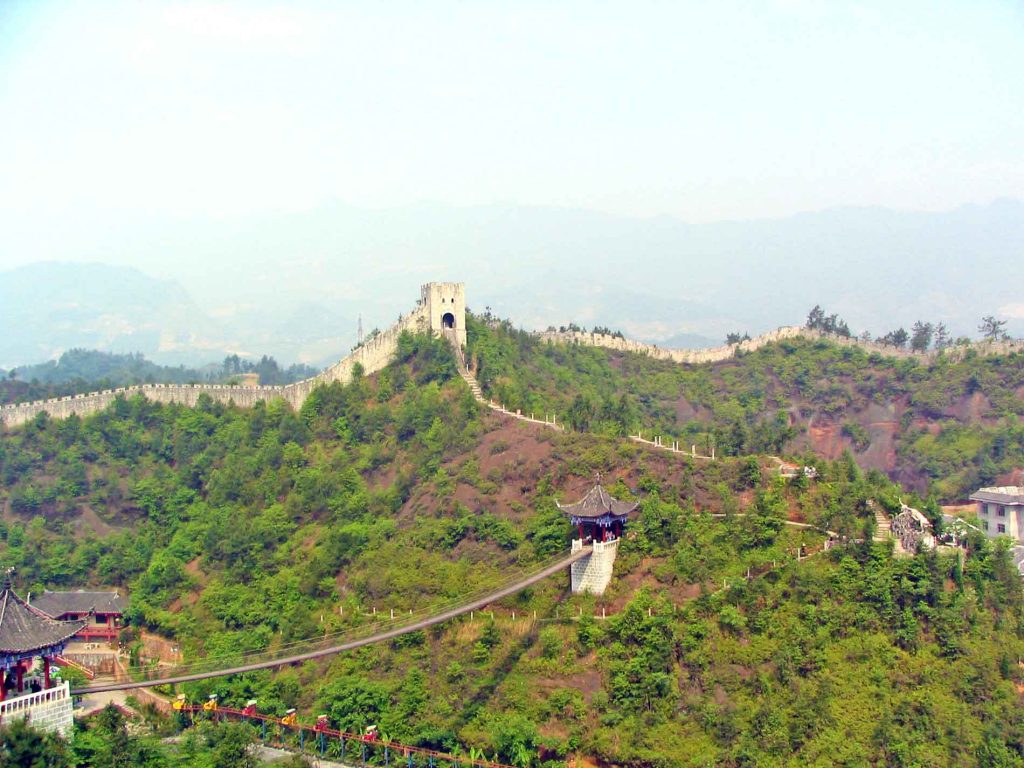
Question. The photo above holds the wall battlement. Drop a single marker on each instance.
(718, 354)
(440, 303)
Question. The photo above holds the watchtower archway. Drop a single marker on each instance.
(445, 307)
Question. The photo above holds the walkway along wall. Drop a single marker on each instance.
(717, 354)
(373, 355)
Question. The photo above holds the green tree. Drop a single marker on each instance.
(993, 329)
(22, 746)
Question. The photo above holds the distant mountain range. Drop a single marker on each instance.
(53, 307)
(293, 285)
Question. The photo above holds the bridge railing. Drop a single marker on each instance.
(324, 739)
(326, 645)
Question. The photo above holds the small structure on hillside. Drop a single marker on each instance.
(600, 521)
(912, 530)
(1001, 511)
(27, 634)
(102, 611)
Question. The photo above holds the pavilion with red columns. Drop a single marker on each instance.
(599, 516)
(26, 634)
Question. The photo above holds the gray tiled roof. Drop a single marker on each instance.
(79, 601)
(597, 503)
(24, 629)
(1007, 494)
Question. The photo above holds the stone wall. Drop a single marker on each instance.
(717, 354)
(594, 573)
(50, 710)
(373, 355)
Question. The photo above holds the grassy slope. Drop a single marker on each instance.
(247, 526)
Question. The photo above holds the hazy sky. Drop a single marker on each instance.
(114, 112)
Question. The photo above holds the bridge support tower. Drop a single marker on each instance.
(600, 520)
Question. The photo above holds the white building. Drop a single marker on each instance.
(1001, 511)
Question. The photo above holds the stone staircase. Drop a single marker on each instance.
(478, 394)
(474, 386)
(883, 526)
(464, 372)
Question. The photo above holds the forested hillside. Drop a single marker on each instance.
(944, 428)
(240, 530)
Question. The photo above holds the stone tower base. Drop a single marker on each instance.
(594, 573)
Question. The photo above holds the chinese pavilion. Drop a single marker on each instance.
(26, 634)
(102, 611)
(600, 519)
(599, 516)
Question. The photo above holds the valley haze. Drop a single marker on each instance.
(294, 285)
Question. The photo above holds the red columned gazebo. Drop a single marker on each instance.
(599, 516)
(27, 633)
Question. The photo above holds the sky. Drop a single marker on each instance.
(701, 111)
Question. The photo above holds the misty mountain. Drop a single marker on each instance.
(51, 307)
(652, 277)
(292, 285)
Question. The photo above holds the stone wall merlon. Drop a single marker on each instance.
(718, 354)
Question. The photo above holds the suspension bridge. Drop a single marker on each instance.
(330, 645)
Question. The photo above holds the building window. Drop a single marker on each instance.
(1001, 528)
(984, 525)
(1001, 511)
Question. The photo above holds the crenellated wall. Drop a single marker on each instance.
(373, 355)
(717, 354)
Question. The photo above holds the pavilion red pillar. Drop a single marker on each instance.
(46, 672)
(3, 684)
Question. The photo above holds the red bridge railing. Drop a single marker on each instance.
(310, 736)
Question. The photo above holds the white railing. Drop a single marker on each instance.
(24, 704)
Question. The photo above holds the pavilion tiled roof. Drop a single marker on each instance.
(24, 629)
(598, 503)
(79, 601)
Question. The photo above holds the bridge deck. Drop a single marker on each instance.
(429, 621)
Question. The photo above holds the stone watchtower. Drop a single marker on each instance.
(445, 305)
